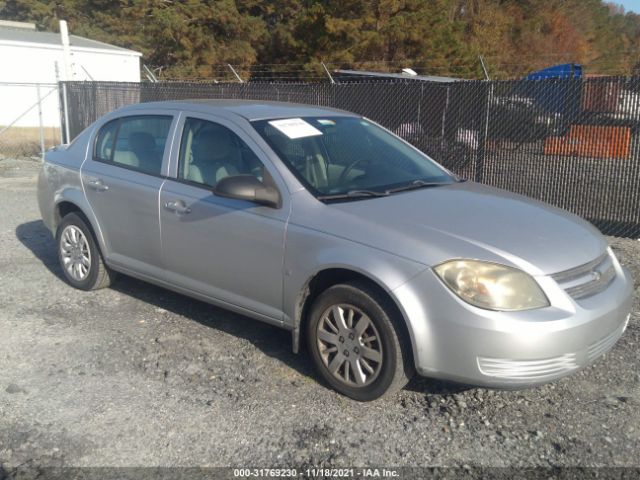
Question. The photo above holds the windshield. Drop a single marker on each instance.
(348, 156)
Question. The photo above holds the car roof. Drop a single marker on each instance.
(248, 109)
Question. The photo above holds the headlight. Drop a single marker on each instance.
(492, 286)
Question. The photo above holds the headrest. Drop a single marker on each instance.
(141, 141)
(213, 143)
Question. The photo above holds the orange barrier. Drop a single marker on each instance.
(591, 141)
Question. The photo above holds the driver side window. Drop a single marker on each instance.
(210, 152)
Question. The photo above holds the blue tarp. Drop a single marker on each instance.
(556, 97)
(565, 70)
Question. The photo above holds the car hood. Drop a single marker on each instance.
(467, 220)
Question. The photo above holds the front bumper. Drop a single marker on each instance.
(456, 341)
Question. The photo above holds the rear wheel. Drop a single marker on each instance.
(356, 344)
(79, 256)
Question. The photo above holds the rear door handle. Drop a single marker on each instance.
(178, 206)
(98, 185)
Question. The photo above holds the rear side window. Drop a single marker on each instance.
(136, 142)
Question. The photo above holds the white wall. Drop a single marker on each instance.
(34, 63)
(105, 66)
(16, 99)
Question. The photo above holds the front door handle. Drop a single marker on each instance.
(177, 206)
(98, 185)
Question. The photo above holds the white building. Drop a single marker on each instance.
(31, 57)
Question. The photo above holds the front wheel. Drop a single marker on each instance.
(356, 343)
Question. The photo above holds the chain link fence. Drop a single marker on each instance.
(573, 143)
(29, 119)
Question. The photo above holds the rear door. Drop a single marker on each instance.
(122, 177)
(230, 251)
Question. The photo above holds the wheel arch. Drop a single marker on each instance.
(330, 276)
(73, 202)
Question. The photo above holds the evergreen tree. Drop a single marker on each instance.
(197, 38)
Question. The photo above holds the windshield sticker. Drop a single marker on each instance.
(324, 121)
(295, 128)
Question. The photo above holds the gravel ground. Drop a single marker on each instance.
(138, 376)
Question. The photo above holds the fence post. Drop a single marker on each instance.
(40, 122)
(235, 73)
(420, 104)
(444, 121)
(59, 100)
(484, 133)
(327, 72)
(65, 111)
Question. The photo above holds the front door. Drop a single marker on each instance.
(228, 250)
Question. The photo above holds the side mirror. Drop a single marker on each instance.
(248, 187)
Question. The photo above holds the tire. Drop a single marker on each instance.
(80, 258)
(378, 357)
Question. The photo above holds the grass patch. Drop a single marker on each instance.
(18, 142)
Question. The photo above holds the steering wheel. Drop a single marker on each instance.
(348, 169)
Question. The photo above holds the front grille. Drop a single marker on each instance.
(527, 369)
(588, 279)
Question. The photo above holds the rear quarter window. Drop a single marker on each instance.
(105, 141)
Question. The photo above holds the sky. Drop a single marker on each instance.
(629, 5)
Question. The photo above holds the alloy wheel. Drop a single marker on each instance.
(75, 253)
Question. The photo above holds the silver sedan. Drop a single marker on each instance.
(321, 222)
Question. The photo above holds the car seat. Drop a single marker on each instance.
(144, 146)
(214, 156)
(306, 157)
(126, 158)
